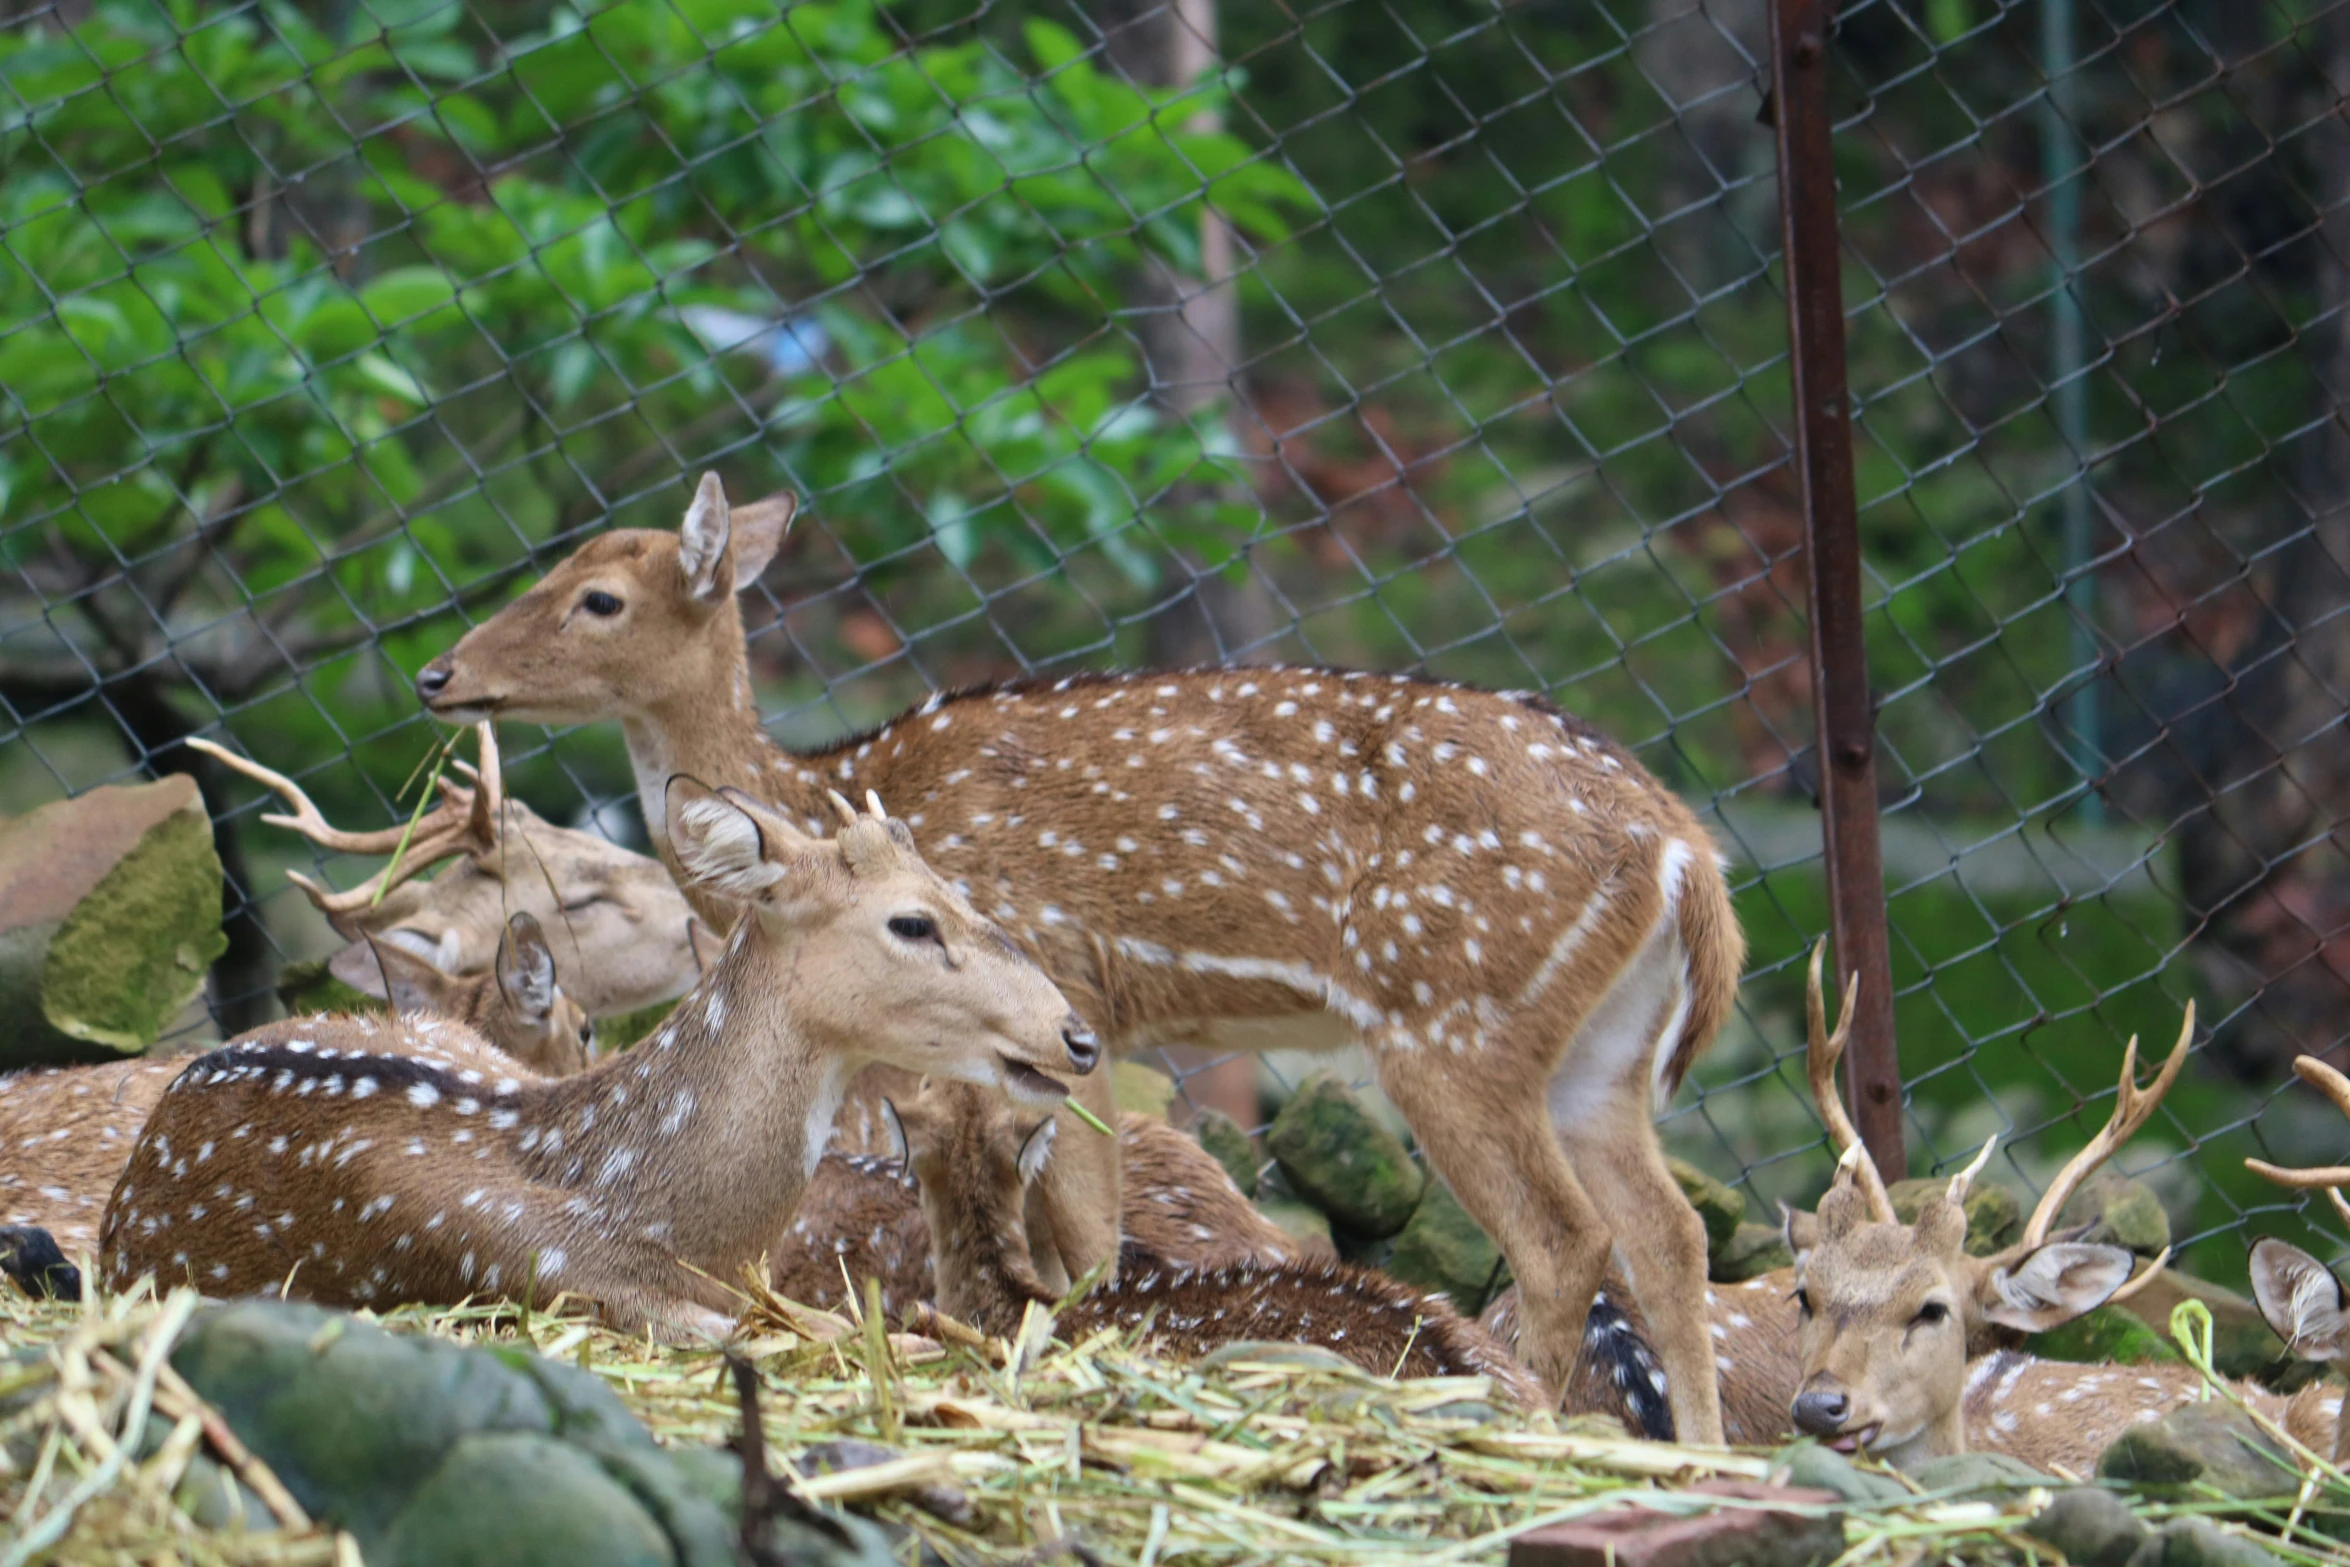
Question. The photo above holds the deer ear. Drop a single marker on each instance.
(1800, 1227)
(526, 969)
(702, 540)
(2301, 1299)
(759, 531)
(1037, 1149)
(410, 983)
(718, 844)
(899, 1148)
(2051, 1284)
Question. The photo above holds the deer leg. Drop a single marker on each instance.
(1599, 1103)
(1481, 1120)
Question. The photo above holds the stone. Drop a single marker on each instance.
(1223, 1138)
(2196, 1542)
(2241, 1343)
(2119, 1212)
(2208, 1446)
(109, 921)
(1810, 1465)
(1720, 1206)
(1442, 1249)
(1955, 1475)
(308, 987)
(1756, 1534)
(1138, 1090)
(2092, 1528)
(429, 1452)
(31, 1260)
(1303, 1223)
(2108, 1335)
(1993, 1216)
(1753, 1250)
(1338, 1157)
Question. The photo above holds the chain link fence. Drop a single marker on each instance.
(1399, 333)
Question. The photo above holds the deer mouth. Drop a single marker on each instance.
(1026, 1084)
(1854, 1441)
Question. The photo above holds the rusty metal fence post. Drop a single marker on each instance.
(1845, 715)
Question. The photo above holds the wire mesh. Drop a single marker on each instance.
(1399, 333)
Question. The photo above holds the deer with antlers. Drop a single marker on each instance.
(618, 919)
(1530, 934)
(306, 1158)
(2301, 1297)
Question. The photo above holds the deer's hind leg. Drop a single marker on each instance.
(1481, 1119)
(1600, 1103)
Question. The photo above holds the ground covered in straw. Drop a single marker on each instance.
(1020, 1452)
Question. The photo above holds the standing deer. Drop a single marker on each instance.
(984, 1277)
(305, 1159)
(616, 917)
(66, 1133)
(1529, 933)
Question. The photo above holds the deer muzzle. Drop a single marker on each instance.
(1085, 1050)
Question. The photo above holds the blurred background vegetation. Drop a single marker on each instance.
(1401, 333)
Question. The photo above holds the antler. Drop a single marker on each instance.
(465, 822)
(2332, 1177)
(2132, 1106)
(1823, 1051)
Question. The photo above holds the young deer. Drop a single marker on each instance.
(65, 1134)
(984, 1276)
(1530, 934)
(1888, 1312)
(305, 1159)
(621, 923)
(861, 1219)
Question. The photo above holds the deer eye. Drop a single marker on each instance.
(913, 927)
(1930, 1314)
(597, 602)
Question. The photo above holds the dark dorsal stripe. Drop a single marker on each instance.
(391, 1074)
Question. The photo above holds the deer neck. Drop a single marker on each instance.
(1943, 1437)
(704, 723)
(701, 1138)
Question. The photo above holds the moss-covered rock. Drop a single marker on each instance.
(1974, 1474)
(2119, 1212)
(2200, 1448)
(1222, 1137)
(307, 987)
(1993, 1216)
(1140, 1090)
(1443, 1249)
(2089, 1527)
(2108, 1335)
(109, 920)
(2197, 1542)
(1808, 1466)
(624, 1029)
(1338, 1157)
(434, 1454)
(1720, 1206)
(1753, 1250)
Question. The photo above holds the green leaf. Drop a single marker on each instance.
(401, 295)
(388, 378)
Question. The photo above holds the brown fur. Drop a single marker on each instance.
(65, 1134)
(984, 1277)
(303, 1158)
(1247, 858)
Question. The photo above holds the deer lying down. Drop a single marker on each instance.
(2299, 1295)
(65, 1134)
(617, 918)
(985, 1278)
(309, 1159)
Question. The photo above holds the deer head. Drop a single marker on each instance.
(583, 641)
(891, 963)
(519, 1005)
(1888, 1311)
(615, 918)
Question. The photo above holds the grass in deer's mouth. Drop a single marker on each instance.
(1071, 1105)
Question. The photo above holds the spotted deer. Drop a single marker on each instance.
(2300, 1296)
(1527, 931)
(306, 1159)
(984, 1277)
(65, 1134)
(616, 917)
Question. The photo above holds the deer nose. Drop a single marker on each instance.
(433, 679)
(1821, 1411)
(1085, 1051)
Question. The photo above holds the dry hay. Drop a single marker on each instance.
(1024, 1451)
